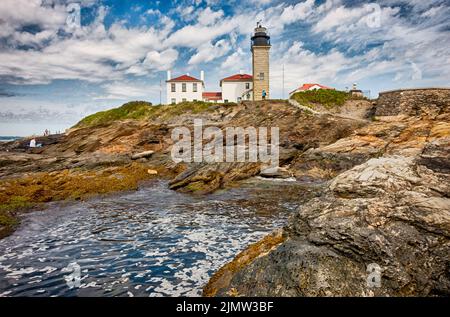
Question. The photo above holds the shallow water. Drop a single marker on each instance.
(152, 242)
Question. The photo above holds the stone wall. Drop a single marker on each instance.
(260, 65)
(413, 102)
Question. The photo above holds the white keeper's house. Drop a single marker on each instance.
(234, 88)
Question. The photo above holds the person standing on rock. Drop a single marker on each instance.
(264, 94)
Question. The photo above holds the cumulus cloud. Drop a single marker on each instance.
(208, 52)
(91, 53)
(239, 60)
(329, 41)
(208, 17)
(155, 60)
(398, 40)
(299, 11)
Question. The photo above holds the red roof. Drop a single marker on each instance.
(184, 78)
(212, 95)
(308, 86)
(238, 77)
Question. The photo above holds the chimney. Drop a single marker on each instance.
(188, 74)
(241, 72)
(169, 75)
(202, 75)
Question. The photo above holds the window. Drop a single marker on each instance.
(174, 101)
(261, 76)
(247, 85)
(226, 100)
(194, 87)
(172, 87)
(194, 100)
(183, 87)
(184, 99)
(248, 96)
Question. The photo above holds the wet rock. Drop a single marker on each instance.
(390, 212)
(222, 278)
(206, 178)
(275, 172)
(142, 155)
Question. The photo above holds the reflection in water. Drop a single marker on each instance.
(153, 242)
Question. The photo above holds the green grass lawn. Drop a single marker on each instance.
(327, 98)
(145, 110)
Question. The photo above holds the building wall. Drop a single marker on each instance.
(260, 65)
(232, 90)
(189, 95)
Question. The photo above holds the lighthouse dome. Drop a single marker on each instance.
(260, 37)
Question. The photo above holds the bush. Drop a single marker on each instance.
(130, 110)
(324, 97)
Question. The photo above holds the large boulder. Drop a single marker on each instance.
(389, 216)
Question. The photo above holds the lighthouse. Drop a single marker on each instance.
(260, 47)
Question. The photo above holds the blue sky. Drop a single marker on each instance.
(53, 72)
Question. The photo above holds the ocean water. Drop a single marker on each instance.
(151, 242)
(8, 138)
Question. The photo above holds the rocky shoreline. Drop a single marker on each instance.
(391, 212)
(386, 200)
(78, 164)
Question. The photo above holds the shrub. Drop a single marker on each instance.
(324, 97)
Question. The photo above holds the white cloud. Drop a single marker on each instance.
(209, 52)
(17, 13)
(349, 48)
(185, 12)
(91, 53)
(208, 17)
(161, 60)
(122, 90)
(297, 12)
(236, 61)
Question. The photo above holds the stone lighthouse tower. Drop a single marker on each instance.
(260, 46)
